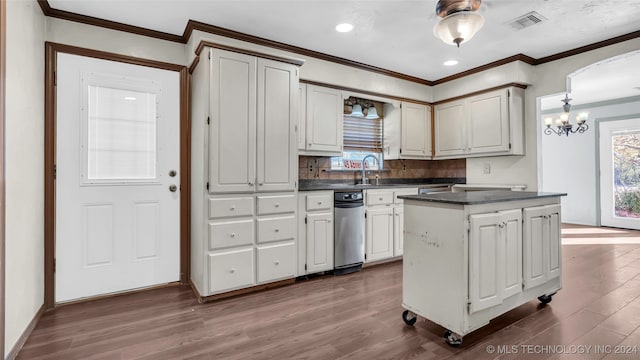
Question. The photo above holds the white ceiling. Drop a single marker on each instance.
(392, 34)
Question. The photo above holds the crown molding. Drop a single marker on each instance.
(216, 30)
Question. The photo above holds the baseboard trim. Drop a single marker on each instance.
(25, 335)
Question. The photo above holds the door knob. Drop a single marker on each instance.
(173, 188)
(172, 173)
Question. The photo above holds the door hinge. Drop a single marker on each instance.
(509, 146)
(209, 55)
(365, 256)
(305, 267)
(508, 93)
(295, 184)
(55, 171)
(400, 150)
(207, 186)
(54, 265)
(305, 219)
(55, 78)
(468, 306)
(365, 214)
(208, 120)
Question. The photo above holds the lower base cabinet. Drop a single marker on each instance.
(464, 265)
(246, 240)
(315, 232)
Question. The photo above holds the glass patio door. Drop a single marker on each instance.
(619, 151)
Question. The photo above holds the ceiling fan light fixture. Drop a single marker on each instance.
(458, 27)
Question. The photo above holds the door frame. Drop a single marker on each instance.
(3, 42)
(51, 52)
(598, 166)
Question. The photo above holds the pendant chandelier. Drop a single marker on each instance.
(563, 126)
(459, 22)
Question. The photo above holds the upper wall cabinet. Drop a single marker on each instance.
(254, 111)
(323, 121)
(488, 124)
(407, 131)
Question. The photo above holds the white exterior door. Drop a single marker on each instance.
(117, 161)
(619, 184)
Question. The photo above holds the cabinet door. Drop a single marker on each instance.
(416, 131)
(398, 230)
(486, 261)
(512, 242)
(554, 264)
(232, 131)
(488, 123)
(324, 120)
(535, 246)
(302, 116)
(277, 159)
(379, 233)
(449, 127)
(319, 242)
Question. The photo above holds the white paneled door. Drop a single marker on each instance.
(117, 180)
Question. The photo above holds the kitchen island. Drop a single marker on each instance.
(472, 256)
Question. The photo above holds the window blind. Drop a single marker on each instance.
(362, 134)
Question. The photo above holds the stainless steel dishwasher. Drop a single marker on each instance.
(348, 232)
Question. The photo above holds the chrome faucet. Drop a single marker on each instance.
(364, 160)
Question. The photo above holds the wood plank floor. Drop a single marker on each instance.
(358, 316)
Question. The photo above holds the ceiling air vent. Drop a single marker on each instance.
(526, 20)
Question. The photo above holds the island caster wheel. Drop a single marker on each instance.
(545, 299)
(452, 339)
(409, 317)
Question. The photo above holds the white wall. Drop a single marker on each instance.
(569, 164)
(24, 167)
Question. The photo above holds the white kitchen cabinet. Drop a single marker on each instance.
(315, 232)
(244, 170)
(379, 233)
(398, 230)
(488, 124)
(325, 109)
(407, 131)
(542, 260)
(416, 131)
(495, 258)
(302, 116)
(465, 257)
(254, 112)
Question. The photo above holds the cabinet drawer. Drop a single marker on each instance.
(379, 198)
(276, 204)
(228, 207)
(276, 229)
(319, 202)
(412, 191)
(276, 262)
(229, 234)
(231, 270)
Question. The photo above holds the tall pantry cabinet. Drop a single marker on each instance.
(244, 170)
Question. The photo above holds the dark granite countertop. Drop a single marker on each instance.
(480, 197)
(311, 185)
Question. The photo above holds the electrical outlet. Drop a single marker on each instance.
(310, 166)
(486, 168)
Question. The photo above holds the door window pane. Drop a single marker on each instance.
(626, 174)
(121, 134)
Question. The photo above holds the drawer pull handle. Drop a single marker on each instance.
(232, 235)
(277, 262)
(232, 208)
(277, 230)
(380, 199)
(277, 205)
(232, 270)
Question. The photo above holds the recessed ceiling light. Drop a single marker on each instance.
(344, 27)
(129, 98)
(451, 62)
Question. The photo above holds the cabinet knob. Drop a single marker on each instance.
(277, 205)
(319, 202)
(277, 230)
(277, 262)
(232, 235)
(380, 199)
(260, 184)
(232, 208)
(232, 270)
(250, 184)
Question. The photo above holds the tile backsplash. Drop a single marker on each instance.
(315, 167)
